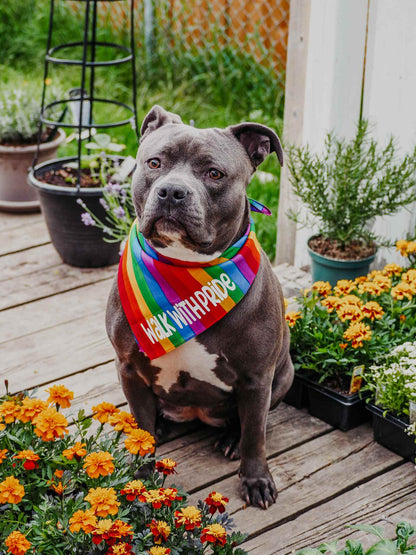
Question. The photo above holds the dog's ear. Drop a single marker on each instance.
(157, 117)
(258, 140)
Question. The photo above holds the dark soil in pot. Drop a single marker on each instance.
(355, 250)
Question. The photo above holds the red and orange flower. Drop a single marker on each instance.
(166, 466)
(216, 502)
(30, 458)
(215, 534)
(160, 530)
(190, 517)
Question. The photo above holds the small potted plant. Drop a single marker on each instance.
(62, 198)
(338, 332)
(75, 490)
(344, 189)
(19, 124)
(393, 386)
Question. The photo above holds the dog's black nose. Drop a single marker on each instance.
(173, 193)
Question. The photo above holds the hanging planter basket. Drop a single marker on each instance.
(77, 244)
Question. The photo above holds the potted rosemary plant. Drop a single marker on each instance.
(19, 123)
(344, 189)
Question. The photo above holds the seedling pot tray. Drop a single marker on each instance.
(390, 431)
(337, 409)
(297, 396)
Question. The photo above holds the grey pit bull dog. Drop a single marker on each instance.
(189, 193)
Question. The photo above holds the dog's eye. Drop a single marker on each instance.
(215, 174)
(153, 163)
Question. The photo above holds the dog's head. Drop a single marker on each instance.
(189, 187)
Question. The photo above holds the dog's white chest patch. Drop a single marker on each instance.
(191, 357)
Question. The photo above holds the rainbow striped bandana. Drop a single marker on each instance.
(168, 302)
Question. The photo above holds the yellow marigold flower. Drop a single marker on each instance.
(99, 464)
(323, 287)
(331, 303)
(190, 517)
(411, 247)
(133, 489)
(140, 441)
(120, 549)
(103, 501)
(383, 281)
(286, 303)
(401, 246)
(357, 332)
(401, 291)
(409, 276)
(17, 544)
(350, 299)
(11, 491)
(160, 530)
(30, 408)
(392, 269)
(344, 287)
(122, 421)
(9, 411)
(291, 318)
(158, 550)
(3, 454)
(102, 411)
(373, 310)
(50, 424)
(60, 395)
(77, 451)
(360, 279)
(350, 312)
(83, 520)
(373, 288)
(215, 534)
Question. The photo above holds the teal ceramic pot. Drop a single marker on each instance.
(324, 268)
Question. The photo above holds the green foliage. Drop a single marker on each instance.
(400, 544)
(351, 183)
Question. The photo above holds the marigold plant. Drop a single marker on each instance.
(355, 323)
(67, 486)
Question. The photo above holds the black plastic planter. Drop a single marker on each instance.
(390, 431)
(338, 409)
(297, 396)
(76, 243)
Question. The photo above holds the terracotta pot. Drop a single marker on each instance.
(15, 161)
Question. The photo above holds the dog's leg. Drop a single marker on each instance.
(257, 485)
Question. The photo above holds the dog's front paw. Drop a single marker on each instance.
(229, 444)
(259, 491)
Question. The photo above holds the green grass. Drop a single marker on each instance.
(217, 87)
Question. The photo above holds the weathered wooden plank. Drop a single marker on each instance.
(384, 500)
(199, 464)
(38, 272)
(45, 314)
(309, 475)
(32, 234)
(9, 220)
(51, 354)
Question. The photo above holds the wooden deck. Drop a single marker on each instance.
(52, 330)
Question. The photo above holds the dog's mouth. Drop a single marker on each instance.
(166, 229)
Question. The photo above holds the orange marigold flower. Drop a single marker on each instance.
(3, 454)
(58, 488)
(83, 520)
(158, 550)
(357, 333)
(11, 491)
(401, 291)
(291, 318)
(102, 531)
(50, 424)
(323, 287)
(133, 489)
(344, 287)
(190, 517)
(59, 473)
(17, 544)
(343, 345)
(103, 411)
(402, 318)
(350, 312)
(160, 529)
(110, 531)
(373, 310)
(331, 303)
(216, 501)
(215, 534)
(30, 408)
(392, 270)
(122, 421)
(169, 495)
(401, 246)
(140, 441)
(60, 395)
(99, 464)
(103, 501)
(9, 411)
(166, 466)
(29, 457)
(77, 451)
(121, 549)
